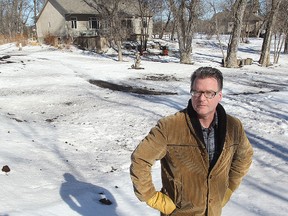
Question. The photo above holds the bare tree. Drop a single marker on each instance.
(216, 25)
(162, 18)
(14, 15)
(37, 6)
(11, 17)
(283, 17)
(185, 14)
(281, 30)
(35, 10)
(251, 15)
(113, 17)
(168, 21)
(3, 12)
(146, 10)
(266, 45)
(286, 45)
(279, 40)
(238, 13)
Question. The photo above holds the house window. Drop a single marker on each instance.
(126, 23)
(105, 24)
(94, 23)
(73, 22)
(129, 23)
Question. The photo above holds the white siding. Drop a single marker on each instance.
(50, 22)
(137, 26)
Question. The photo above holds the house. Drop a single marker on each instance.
(75, 19)
(251, 23)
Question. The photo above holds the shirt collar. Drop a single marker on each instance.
(214, 123)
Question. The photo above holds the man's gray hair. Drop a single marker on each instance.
(208, 72)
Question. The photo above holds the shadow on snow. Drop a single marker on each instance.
(87, 199)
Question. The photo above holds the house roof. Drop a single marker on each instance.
(227, 15)
(252, 17)
(72, 7)
(128, 7)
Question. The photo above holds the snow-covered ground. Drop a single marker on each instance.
(68, 142)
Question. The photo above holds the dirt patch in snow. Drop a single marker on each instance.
(127, 88)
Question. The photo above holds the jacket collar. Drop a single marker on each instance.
(221, 126)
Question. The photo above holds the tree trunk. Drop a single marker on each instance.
(185, 46)
(218, 33)
(165, 26)
(231, 59)
(185, 15)
(278, 45)
(15, 19)
(173, 32)
(265, 51)
(185, 57)
(35, 11)
(20, 18)
(111, 12)
(120, 55)
(286, 45)
(35, 19)
(261, 28)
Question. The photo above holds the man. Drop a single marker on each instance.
(204, 154)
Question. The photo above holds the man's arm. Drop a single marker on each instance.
(241, 161)
(150, 149)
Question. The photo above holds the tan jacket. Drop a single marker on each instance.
(187, 179)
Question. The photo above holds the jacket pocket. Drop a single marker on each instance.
(178, 192)
(225, 163)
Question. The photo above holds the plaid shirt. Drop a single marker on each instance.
(210, 139)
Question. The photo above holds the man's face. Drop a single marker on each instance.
(205, 107)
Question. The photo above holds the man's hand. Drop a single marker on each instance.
(227, 196)
(162, 203)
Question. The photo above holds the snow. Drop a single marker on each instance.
(68, 142)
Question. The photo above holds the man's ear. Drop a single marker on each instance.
(220, 95)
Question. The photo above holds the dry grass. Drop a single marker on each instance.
(22, 41)
(17, 39)
(51, 40)
(59, 42)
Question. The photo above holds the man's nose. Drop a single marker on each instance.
(202, 96)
